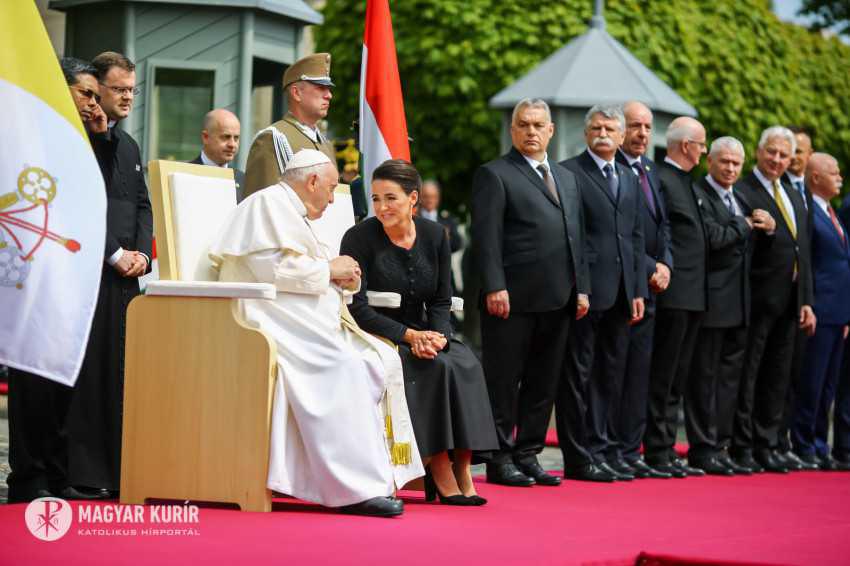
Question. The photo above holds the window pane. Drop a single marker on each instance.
(181, 98)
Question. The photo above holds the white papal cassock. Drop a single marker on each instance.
(341, 431)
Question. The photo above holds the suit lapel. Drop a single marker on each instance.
(520, 163)
(823, 217)
(588, 165)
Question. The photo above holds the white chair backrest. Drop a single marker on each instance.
(336, 220)
(199, 206)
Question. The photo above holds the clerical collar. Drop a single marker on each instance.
(601, 163)
(673, 163)
(295, 199)
(207, 161)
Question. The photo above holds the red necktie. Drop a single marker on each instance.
(835, 222)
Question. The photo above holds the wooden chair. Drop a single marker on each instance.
(198, 384)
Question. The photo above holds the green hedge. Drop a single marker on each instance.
(734, 61)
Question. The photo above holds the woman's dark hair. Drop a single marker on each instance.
(400, 172)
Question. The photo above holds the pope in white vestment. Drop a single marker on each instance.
(341, 432)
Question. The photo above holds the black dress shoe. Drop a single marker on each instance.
(645, 471)
(28, 496)
(738, 470)
(784, 460)
(826, 463)
(747, 461)
(619, 476)
(588, 472)
(807, 462)
(668, 468)
(72, 492)
(375, 507)
(710, 466)
(769, 463)
(792, 462)
(532, 469)
(508, 474)
(689, 470)
(622, 467)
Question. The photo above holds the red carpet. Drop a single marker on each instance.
(801, 519)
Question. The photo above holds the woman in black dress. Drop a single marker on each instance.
(443, 381)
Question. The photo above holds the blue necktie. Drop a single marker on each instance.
(612, 181)
(802, 190)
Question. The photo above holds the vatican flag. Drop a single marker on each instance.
(52, 207)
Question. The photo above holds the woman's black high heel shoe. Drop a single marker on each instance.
(431, 493)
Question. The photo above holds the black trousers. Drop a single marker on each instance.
(38, 448)
(599, 354)
(628, 427)
(797, 361)
(675, 335)
(712, 390)
(523, 356)
(765, 381)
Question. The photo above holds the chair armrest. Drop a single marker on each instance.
(383, 299)
(223, 289)
(457, 304)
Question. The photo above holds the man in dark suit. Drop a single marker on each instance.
(38, 448)
(615, 251)
(822, 361)
(795, 177)
(528, 244)
(682, 306)
(712, 393)
(95, 413)
(781, 283)
(429, 207)
(630, 424)
(220, 139)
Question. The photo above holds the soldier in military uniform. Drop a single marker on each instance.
(308, 89)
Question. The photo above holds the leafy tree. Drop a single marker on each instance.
(733, 60)
(828, 14)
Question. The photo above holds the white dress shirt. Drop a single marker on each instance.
(721, 192)
(786, 200)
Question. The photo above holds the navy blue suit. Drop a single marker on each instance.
(629, 427)
(615, 253)
(822, 363)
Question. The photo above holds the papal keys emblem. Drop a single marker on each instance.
(24, 225)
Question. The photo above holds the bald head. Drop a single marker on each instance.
(220, 135)
(823, 176)
(638, 128)
(686, 142)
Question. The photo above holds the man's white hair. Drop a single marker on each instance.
(778, 132)
(610, 111)
(684, 130)
(531, 103)
(301, 174)
(727, 143)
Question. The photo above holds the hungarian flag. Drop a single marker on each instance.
(52, 207)
(383, 128)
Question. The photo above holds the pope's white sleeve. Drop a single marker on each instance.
(290, 272)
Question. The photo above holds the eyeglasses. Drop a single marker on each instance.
(123, 90)
(88, 93)
(699, 143)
